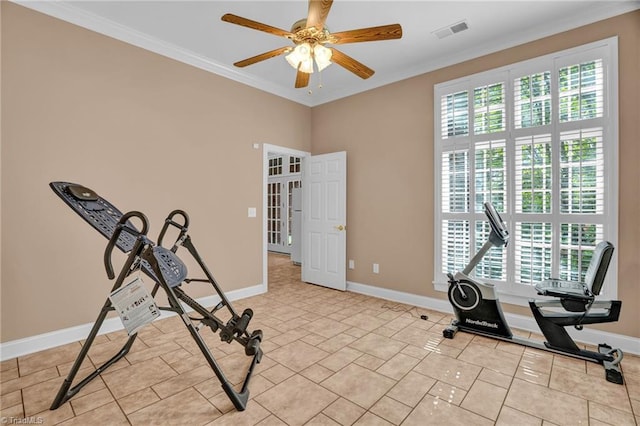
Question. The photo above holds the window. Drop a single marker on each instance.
(538, 139)
(275, 166)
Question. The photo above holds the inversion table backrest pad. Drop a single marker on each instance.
(104, 217)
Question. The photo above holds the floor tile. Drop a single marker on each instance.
(254, 414)
(510, 417)
(138, 400)
(493, 377)
(390, 410)
(369, 361)
(136, 377)
(336, 343)
(296, 400)
(610, 415)
(365, 322)
(316, 373)
(435, 411)
(48, 358)
(449, 370)
(631, 364)
(298, 355)
(593, 388)
(274, 421)
(340, 359)
(277, 373)
(398, 366)
(569, 363)
(378, 346)
(485, 399)
(489, 357)
(183, 381)
(326, 327)
(537, 360)
(359, 385)
(532, 376)
(91, 401)
(109, 414)
(548, 404)
(411, 388)
(448, 393)
(321, 420)
(23, 382)
(10, 399)
(344, 412)
(370, 419)
(186, 407)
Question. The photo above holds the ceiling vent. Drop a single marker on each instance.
(451, 29)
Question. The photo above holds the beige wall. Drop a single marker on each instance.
(153, 134)
(144, 131)
(388, 135)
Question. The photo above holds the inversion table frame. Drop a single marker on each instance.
(168, 272)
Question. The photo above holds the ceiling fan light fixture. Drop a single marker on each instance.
(300, 57)
(307, 65)
(322, 56)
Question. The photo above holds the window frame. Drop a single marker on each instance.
(607, 50)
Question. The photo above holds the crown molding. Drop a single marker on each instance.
(69, 13)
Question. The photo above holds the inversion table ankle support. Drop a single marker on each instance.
(168, 272)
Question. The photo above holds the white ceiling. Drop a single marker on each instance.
(192, 32)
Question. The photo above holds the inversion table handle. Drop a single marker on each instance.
(116, 233)
(184, 227)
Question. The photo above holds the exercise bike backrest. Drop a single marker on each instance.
(597, 270)
(499, 234)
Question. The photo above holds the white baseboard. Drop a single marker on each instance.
(28, 345)
(589, 336)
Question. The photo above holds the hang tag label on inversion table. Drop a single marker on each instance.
(134, 305)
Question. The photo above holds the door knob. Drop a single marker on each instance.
(341, 228)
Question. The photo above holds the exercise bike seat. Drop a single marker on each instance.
(594, 278)
(555, 287)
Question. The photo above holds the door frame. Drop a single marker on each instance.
(266, 149)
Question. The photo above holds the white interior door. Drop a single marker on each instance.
(324, 214)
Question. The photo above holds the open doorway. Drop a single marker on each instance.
(282, 178)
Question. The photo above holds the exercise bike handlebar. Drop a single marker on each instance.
(498, 237)
(499, 234)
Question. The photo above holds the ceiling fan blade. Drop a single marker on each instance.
(351, 64)
(318, 11)
(384, 32)
(262, 57)
(302, 79)
(238, 20)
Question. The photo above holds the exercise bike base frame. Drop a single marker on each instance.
(613, 373)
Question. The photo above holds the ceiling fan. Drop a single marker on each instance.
(309, 36)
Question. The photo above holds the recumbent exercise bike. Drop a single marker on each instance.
(478, 310)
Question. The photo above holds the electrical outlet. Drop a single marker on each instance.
(352, 264)
(376, 268)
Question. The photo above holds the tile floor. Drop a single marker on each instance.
(331, 358)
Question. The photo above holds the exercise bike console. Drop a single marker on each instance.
(478, 310)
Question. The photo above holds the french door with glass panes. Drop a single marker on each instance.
(284, 176)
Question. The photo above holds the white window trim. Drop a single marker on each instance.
(557, 59)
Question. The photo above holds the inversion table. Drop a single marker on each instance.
(168, 272)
